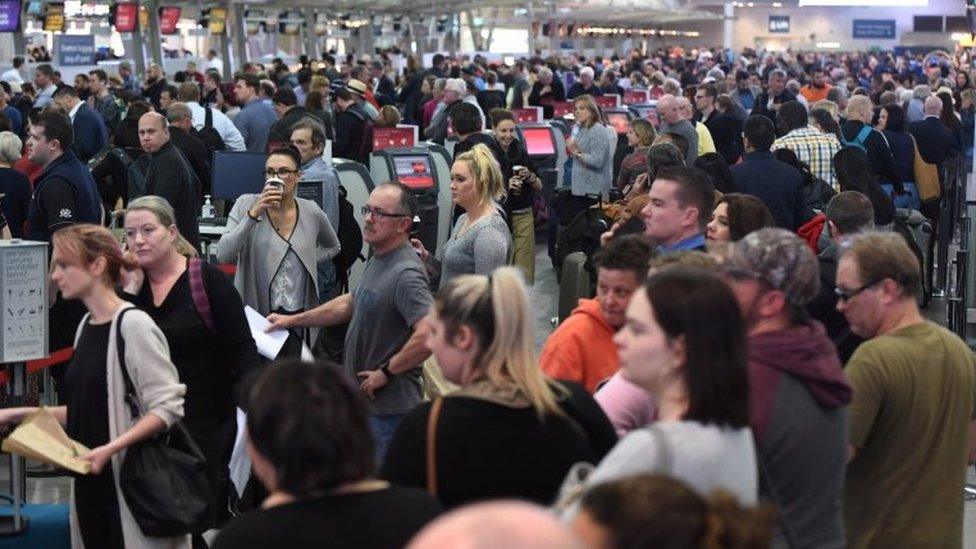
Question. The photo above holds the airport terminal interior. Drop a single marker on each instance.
(593, 274)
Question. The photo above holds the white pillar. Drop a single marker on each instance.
(727, 26)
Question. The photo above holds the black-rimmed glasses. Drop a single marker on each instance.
(377, 214)
(847, 295)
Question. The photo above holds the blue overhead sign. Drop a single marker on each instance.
(874, 28)
(76, 50)
(779, 24)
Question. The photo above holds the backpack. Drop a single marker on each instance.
(198, 290)
(917, 232)
(350, 238)
(209, 135)
(582, 234)
(134, 170)
(366, 145)
(859, 139)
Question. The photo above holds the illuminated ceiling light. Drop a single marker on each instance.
(777, 4)
(828, 45)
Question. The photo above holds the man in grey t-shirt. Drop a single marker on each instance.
(384, 346)
(669, 109)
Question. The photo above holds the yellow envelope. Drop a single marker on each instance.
(41, 437)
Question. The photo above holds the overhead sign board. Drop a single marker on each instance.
(9, 15)
(779, 24)
(75, 50)
(874, 28)
(125, 16)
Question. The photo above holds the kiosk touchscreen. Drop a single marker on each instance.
(236, 173)
(539, 140)
(619, 119)
(414, 167)
(414, 171)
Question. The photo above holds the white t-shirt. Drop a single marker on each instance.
(12, 75)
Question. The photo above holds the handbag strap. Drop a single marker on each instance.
(198, 290)
(663, 456)
(432, 419)
(130, 389)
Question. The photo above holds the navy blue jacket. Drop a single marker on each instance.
(90, 133)
(778, 185)
(86, 207)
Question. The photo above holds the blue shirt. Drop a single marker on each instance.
(696, 242)
(13, 115)
(254, 122)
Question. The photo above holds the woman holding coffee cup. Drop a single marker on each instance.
(522, 188)
(276, 239)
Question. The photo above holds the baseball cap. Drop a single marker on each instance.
(780, 259)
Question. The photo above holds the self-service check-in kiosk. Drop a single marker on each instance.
(427, 173)
(546, 146)
(619, 119)
(355, 179)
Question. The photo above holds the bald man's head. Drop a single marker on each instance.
(933, 106)
(500, 524)
(153, 132)
(668, 109)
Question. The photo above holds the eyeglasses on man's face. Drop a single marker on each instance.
(847, 295)
(280, 172)
(379, 214)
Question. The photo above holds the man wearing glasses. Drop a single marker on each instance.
(170, 176)
(913, 403)
(384, 346)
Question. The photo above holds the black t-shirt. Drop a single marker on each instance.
(57, 204)
(490, 451)
(374, 520)
(86, 387)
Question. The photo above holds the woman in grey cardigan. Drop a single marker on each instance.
(277, 239)
(592, 152)
(87, 263)
(480, 240)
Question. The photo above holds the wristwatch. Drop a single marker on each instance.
(386, 371)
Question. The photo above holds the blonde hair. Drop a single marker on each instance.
(488, 180)
(160, 208)
(827, 105)
(596, 115)
(644, 131)
(496, 307)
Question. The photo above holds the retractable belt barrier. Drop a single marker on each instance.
(56, 357)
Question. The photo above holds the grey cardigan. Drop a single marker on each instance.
(158, 391)
(258, 250)
(593, 168)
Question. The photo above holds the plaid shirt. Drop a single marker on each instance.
(814, 148)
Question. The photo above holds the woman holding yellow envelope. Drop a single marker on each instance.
(86, 264)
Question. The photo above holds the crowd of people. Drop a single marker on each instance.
(753, 368)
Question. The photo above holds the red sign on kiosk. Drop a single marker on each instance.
(125, 16)
(620, 122)
(635, 97)
(562, 108)
(169, 16)
(608, 101)
(530, 114)
(393, 138)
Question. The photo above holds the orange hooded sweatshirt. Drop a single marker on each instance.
(581, 349)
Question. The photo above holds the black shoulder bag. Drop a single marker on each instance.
(163, 478)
